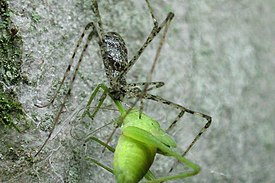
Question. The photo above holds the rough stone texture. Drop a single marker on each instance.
(218, 59)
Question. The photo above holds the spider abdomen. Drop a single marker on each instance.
(115, 52)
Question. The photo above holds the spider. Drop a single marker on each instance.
(114, 55)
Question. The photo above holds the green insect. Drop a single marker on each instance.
(141, 138)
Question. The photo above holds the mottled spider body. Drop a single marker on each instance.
(115, 60)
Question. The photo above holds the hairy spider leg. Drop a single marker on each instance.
(68, 69)
(150, 75)
(181, 113)
(56, 119)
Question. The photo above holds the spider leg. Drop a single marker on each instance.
(153, 33)
(152, 14)
(56, 119)
(156, 29)
(98, 17)
(68, 69)
(153, 85)
(133, 86)
(80, 40)
(150, 75)
(182, 111)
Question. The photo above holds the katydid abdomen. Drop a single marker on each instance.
(132, 160)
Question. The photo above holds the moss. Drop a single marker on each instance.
(36, 17)
(74, 170)
(10, 109)
(10, 69)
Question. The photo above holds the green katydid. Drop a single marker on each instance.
(141, 139)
